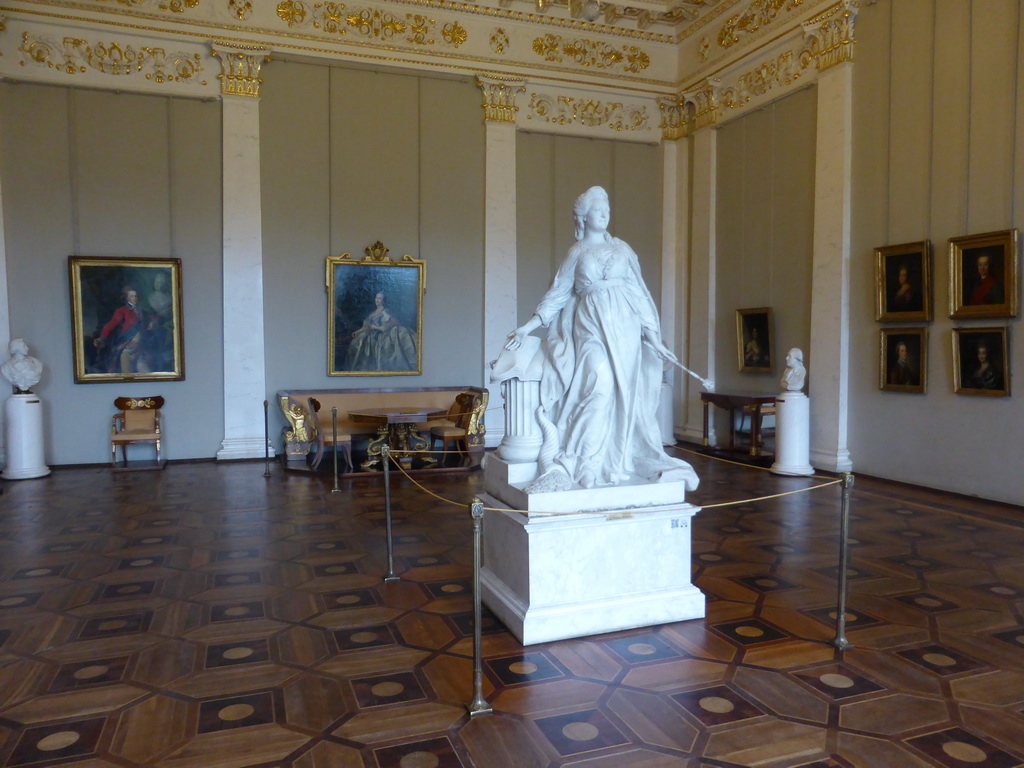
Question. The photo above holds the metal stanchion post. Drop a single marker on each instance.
(385, 454)
(266, 439)
(479, 705)
(334, 442)
(840, 641)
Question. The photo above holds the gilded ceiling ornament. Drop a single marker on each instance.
(566, 110)
(420, 29)
(591, 53)
(500, 40)
(704, 49)
(294, 13)
(760, 13)
(500, 98)
(241, 8)
(454, 34)
(240, 70)
(374, 23)
(76, 56)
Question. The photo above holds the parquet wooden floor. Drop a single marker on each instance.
(206, 616)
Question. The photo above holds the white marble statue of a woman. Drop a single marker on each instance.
(602, 366)
(21, 369)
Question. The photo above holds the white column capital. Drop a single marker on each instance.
(702, 103)
(500, 97)
(830, 34)
(240, 69)
(673, 118)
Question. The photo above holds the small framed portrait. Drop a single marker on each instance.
(126, 321)
(983, 275)
(903, 360)
(375, 314)
(755, 343)
(981, 365)
(903, 275)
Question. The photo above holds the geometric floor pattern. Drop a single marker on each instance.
(207, 616)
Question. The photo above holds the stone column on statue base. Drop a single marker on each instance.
(23, 417)
(792, 434)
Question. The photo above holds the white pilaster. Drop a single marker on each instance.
(703, 280)
(244, 356)
(675, 264)
(828, 364)
(499, 226)
(5, 310)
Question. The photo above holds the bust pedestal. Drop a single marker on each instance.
(792, 434)
(23, 419)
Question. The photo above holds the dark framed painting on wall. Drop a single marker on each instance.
(375, 314)
(983, 275)
(903, 360)
(754, 340)
(981, 365)
(126, 319)
(903, 282)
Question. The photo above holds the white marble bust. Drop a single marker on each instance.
(21, 369)
(793, 378)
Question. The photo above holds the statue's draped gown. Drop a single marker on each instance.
(601, 384)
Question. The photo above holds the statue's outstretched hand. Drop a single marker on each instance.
(515, 339)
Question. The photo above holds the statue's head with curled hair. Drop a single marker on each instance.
(581, 208)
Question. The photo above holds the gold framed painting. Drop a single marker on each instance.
(981, 363)
(983, 275)
(903, 360)
(755, 340)
(126, 319)
(903, 277)
(375, 314)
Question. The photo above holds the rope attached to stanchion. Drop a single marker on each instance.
(266, 439)
(334, 442)
(385, 454)
(479, 705)
(840, 641)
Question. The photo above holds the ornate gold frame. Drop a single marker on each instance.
(752, 319)
(916, 341)
(966, 341)
(890, 260)
(964, 252)
(369, 339)
(97, 285)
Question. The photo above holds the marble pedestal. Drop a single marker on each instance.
(551, 577)
(23, 415)
(792, 434)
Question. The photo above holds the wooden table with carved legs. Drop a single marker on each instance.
(397, 429)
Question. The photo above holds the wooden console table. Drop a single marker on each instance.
(396, 426)
(744, 403)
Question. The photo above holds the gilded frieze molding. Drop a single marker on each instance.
(373, 23)
(240, 69)
(779, 71)
(588, 113)
(591, 53)
(831, 35)
(500, 98)
(76, 56)
(673, 119)
(760, 13)
(704, 103)
(173, 6)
